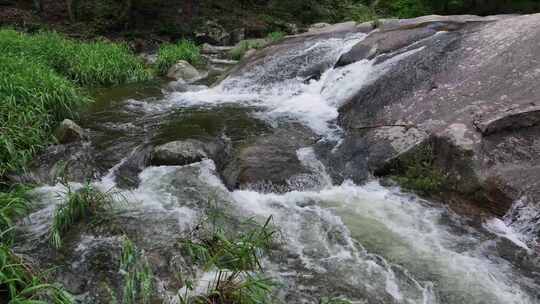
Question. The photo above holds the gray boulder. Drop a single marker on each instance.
(270, 162)
(68, 131)
(185, 152)
(183, 71)
(469, 95)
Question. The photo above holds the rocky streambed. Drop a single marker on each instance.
(307, 131)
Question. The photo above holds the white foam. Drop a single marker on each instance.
(500, 228)
(415, 226)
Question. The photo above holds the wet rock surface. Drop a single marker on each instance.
(180, 153)
(470, 92)
(269, 162)
(183, 71)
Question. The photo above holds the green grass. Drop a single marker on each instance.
(40, 83)
(18, 280)
(275, 36)
(243, 46)
(169, 54)
(237, 262)
(25, 286)
(138, 277)
(96, 63)
(33, 98)
(240, 50)
(86, 203)
(13, 205)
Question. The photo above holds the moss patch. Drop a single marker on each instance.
(418, 172)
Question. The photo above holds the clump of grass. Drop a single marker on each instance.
(22, 285)
(83, 204)
(13, 204)
(33, 98)
(240, 50)
(243, 46)
(417, 172)
(237, 263)
(169, 54)
(275, 36)
(39, 86)
(138, 277)
(86, 63)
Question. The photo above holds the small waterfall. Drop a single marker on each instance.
(521, 225)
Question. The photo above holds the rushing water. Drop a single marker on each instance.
(367, 243)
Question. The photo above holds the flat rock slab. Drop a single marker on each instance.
(509, 120)
(471, 93)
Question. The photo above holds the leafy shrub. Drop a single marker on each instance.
(360, 13)
(170, 54)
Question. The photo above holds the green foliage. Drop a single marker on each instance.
(85, 203)
(34, 98)
(237, 263)
(39, 86)
(360, 13)
(243, 46)
(138, 277)
(419, 173)
(13, 205)
(404, 8)
(23, 285)
(275, 36)
(86, 63)
(170, 54)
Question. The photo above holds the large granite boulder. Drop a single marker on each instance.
(466, 89)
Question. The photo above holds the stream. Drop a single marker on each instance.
(367, 243)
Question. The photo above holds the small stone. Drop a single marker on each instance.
(179, 153)
(183, 71)
(68, 131)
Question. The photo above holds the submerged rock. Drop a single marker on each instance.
(183, 71)
(68, 131)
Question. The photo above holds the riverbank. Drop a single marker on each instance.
(45, 79)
